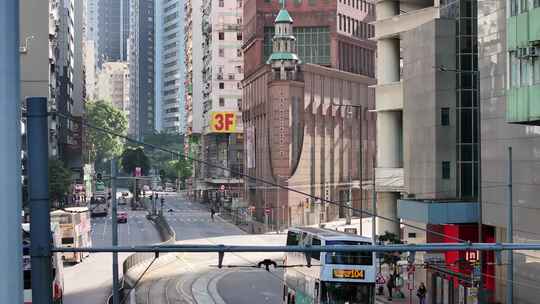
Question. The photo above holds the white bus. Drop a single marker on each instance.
(57, 265)
(75, 230)
(333, 278)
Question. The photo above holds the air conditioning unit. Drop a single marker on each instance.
(534, 51)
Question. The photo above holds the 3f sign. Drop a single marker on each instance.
(223, 122)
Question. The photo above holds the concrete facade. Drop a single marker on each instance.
(222, 72)
(113, 85)
(338, 32)
(297, 136)
(497, 135)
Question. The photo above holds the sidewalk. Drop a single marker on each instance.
(406, 300)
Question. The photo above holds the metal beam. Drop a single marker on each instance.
(338, 248)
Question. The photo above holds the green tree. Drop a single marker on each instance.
(59, 180)
(104, 146)
(133, 157)
(390, 258)
(160, 159)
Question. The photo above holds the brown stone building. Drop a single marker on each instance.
(331, 33)
(299, 132)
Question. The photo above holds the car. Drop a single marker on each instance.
(169, 189)
(122, 217)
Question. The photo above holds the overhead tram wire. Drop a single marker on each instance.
(180, 154)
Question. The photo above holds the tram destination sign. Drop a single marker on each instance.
(348, 274)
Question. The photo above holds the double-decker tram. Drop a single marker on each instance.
(334, 277)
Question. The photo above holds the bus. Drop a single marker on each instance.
(74, 223)
(56, 261)
(334, 277)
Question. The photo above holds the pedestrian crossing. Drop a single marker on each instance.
(190, 219)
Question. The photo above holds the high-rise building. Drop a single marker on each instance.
(427, 135)
(51, 67)
(113, 85)
(113, 21)
(141, 67)
(333, 33)
(509, 72)
(222, 71)
(193, 84)
(170, 68)
(307, 127)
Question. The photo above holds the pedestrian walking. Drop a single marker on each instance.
(421, 293)
(390, 285)
(212, 213)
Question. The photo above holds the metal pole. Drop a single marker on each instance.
(10, 155)
(278, 207)
(38, 192)
(361, 172)
(116, 297)
(509, 236)
(374, 202)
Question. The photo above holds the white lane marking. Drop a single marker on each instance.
(104, 229)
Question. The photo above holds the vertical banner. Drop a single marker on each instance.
(250, 147)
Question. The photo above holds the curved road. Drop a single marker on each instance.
(194, 278)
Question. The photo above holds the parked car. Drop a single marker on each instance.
(122, 217)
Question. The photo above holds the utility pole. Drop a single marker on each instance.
(10, 155)
(510, 235)
(38, 192)
(116, 297)
(278, 206)
(374, 202)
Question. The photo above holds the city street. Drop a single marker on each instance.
(194, 278)
(90, 282)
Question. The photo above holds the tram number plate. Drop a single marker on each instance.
(348, 274)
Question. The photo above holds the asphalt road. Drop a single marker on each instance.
(194, 278)
(90, 282)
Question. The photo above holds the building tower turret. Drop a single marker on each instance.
(284, 59)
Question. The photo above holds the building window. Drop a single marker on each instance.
(525, 72)
(536, 69)
(514, 4)
(524, 6)
(238, 3)
(221, 3)
(238, 52)
(514, 70)
(221, 52)
(221, 102)
(445, 116)
(221, 85)
(221, 35)
(340, 21)
(412, 235)
(445, 170)
(239, 36)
